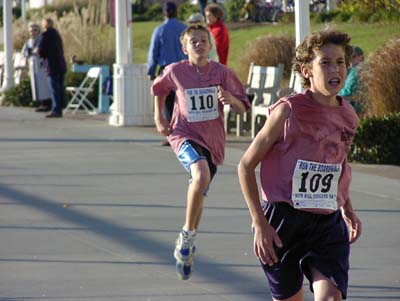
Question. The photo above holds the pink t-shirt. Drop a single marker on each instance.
(198, 115)
(314, 133)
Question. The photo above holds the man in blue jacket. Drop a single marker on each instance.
(51, 49)
(166, 48)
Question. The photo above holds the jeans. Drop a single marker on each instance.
(57, 92)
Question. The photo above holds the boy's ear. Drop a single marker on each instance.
(184, 50)
(305, 71)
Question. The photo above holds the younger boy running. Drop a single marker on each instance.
(196, 132)
(300, 226)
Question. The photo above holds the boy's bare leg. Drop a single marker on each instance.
(195, 197)
(324, 289)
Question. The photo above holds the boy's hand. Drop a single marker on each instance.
(353, 223)
(265, 237)
(163, 126)
(224, 96)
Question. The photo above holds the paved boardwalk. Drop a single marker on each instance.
(91, 212)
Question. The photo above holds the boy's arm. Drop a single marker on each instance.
(352, 221)
(264, 234)
(162, 124)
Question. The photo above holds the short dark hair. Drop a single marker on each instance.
(170, 9)
(357, 51)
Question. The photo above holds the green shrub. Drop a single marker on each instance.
(19, 95)
(377, 140)
(185, 10)
(324, 16)
(369, 11)
(343, 17)
(154, 13)
(233, 9)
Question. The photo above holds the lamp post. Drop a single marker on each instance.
(302, 21)
(8, 46)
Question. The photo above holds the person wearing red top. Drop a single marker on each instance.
(214, 14)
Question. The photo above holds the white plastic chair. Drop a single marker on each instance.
(291, 88)
(269, 95)
(255, 85)
(79, 94)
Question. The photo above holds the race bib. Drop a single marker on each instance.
(201, 104)
(315, 185)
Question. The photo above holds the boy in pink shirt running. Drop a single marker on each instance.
(301, 227)
(196, 132)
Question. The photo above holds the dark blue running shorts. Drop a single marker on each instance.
(309, 240)
(191, 152)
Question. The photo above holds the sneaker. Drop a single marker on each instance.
(183, 254)
(184, 270)
(185, 248)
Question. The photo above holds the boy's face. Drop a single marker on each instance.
(197, 45)
(210, 18)
(355, 59)
(327, 72)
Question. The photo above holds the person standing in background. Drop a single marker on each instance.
(166, 48)
(39, 83)
(51, 49)
(352, 84)
(214, 14)
(202, 6)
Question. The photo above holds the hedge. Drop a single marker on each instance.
(377, 140)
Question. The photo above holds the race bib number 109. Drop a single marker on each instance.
(315, 185)
(201, 104)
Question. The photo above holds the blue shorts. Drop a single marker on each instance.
(191, 152)
(309, 240)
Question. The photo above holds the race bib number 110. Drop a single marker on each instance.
(201, 104)
(315, 185)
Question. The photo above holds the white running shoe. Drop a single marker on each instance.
(183, 254)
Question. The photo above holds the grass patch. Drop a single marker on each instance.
(368, 36)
